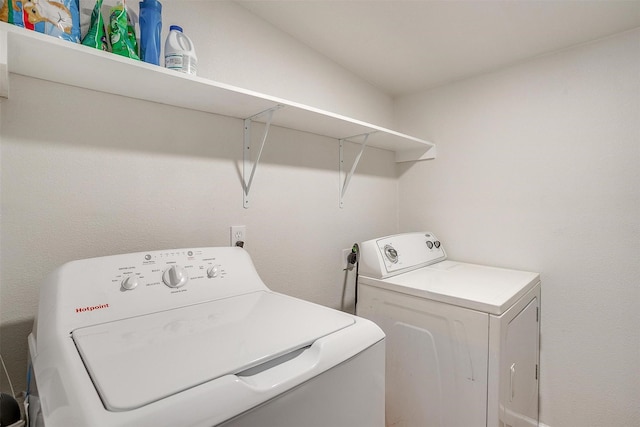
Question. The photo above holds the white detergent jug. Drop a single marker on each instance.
(179, 53)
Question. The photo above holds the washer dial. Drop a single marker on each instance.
(175, 276)
(130, 282)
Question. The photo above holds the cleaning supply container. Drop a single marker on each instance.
(179, 53)
(150, 30)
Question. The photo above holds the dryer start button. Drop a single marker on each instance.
(175, 276)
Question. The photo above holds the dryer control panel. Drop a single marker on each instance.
(392, 255)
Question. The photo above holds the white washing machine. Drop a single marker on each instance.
(192, 337)
(462, 340)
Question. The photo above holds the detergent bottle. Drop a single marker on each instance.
(179, 53)
(150, 29)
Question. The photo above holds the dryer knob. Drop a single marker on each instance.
(391, 253)
(130, 282)
(175, 276)
(212, 272)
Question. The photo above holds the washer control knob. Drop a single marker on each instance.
(429, 244)
(175, 276)
(436, 244)
(212, 272)
(130, 282)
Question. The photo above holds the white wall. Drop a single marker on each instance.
(538, 169)
(86, 174)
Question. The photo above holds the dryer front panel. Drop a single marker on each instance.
(436, 365)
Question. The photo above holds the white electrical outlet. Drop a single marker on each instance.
(238, 233)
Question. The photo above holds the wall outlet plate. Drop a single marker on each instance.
(238, 233)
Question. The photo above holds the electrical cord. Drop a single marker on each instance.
(353, 259)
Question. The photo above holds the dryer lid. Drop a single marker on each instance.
(136, 361)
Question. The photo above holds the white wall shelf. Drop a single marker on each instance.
(44, 57)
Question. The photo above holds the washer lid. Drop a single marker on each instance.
(136, 361)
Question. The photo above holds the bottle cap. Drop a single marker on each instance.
(175, 27)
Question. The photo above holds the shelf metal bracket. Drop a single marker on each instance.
(246, 151)
(344, 184)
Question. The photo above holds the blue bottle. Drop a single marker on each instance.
(150, 29)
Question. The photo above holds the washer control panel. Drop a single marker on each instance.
(173, 269)
(97, 290)
(391, 255)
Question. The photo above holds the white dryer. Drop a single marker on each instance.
(462, 340)
(193, 338)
